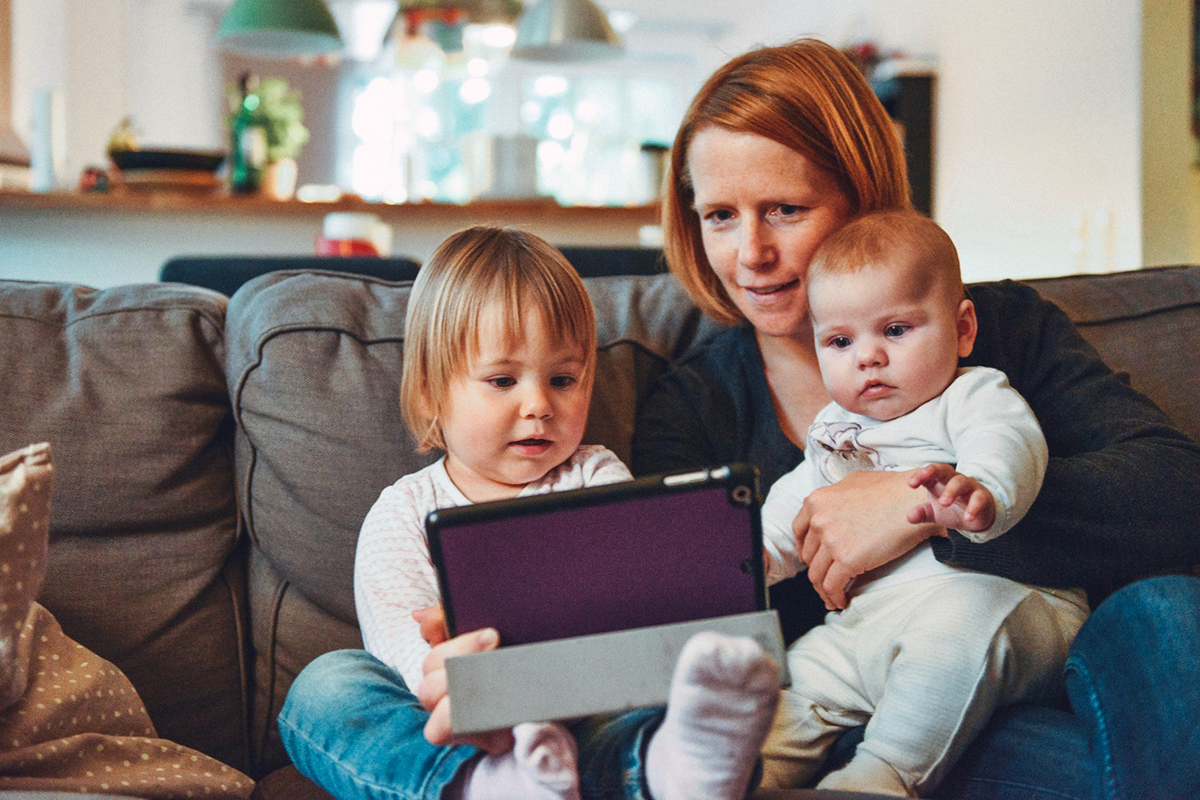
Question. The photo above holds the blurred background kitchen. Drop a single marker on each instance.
(1060, 135)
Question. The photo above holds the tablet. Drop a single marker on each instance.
(652, 551)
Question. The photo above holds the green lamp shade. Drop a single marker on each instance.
(279, 29)
(565, 30)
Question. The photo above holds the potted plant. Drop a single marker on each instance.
(267, 128)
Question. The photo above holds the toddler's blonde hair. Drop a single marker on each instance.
(469, 272)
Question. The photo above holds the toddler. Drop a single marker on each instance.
(923, 652)
(500, 348)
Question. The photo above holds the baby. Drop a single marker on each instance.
(924, 652)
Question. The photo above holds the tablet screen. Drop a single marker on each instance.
(653, 551)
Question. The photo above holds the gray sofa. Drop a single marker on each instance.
(215, 457)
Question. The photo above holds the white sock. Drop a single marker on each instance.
(541, 766)
(722, 701)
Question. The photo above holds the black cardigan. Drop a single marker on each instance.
(1121, 498)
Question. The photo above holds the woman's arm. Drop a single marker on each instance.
(1121, 497)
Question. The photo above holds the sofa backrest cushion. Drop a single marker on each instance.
(314, 372)
(1145, 323)
(128, 386)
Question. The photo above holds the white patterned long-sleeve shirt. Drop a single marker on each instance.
(393, 571)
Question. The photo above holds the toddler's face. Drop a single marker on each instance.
(884, 345)
(516, 412)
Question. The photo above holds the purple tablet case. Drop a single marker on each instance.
(653, 551)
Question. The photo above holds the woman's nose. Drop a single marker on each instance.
(755, 246)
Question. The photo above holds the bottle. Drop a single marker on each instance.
(248, 141)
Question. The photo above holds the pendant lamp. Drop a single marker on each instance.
(279, 29)
(565, 30)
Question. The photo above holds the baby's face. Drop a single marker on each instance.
(886, 344)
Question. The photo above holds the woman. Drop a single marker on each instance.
(781, 147)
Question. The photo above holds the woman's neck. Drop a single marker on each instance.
(794, 377)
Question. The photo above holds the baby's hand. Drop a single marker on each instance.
(956, 501)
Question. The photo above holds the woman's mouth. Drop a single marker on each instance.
(774, 288)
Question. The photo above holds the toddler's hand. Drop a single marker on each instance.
(432, 621)
(956, 501)
(434, 692)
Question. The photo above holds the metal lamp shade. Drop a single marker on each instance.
(565, 30)
(279, 29)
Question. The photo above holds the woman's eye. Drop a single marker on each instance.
(502, 382)
(895, 331)
(719, 216)
(788, 210)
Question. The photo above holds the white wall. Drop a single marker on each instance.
(1039, 145)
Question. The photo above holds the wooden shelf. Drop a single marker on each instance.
(127, 201)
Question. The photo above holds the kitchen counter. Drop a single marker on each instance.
(124, 236)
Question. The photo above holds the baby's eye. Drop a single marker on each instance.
(896, 331)
(502, 382)
(563, 381)
(839, 342)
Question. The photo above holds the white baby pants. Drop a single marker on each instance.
(922, 663)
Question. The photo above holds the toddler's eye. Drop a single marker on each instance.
(562, 381)
(896, 331)
(502, 382)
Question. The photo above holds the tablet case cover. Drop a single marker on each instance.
(647, 552)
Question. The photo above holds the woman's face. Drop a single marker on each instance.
(764, 209)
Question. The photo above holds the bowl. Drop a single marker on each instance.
(189, 160)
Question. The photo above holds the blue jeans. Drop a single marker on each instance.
(1133, 678)
(351, 725)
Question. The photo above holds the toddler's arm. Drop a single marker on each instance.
(393, 577)
(956, 500)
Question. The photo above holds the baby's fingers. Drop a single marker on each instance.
(956, 490)
(925, 475)
(918, 515)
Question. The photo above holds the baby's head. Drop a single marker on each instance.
(890, 314)
(494, 312)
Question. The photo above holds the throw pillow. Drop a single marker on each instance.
(70, 721)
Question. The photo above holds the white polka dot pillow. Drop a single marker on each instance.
(71, 721)
(24, 514)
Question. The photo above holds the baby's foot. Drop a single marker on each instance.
(723, 697)
(541, 766)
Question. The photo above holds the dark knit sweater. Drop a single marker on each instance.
(1121, 498)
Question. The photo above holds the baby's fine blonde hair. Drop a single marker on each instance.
(472, 271)
(900, 240)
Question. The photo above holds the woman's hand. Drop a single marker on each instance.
(434, 696)
(856, 525)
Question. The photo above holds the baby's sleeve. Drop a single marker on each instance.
(779, 510)
(997, 441)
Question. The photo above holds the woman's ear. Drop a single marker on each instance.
(968, 327)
